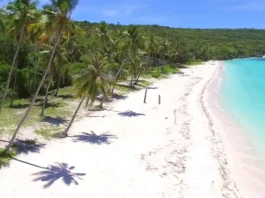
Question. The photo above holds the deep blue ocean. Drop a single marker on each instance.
(243, 95)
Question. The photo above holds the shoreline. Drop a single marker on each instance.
(248, 173)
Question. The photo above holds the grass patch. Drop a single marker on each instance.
(156, 74)
(123, 89)
(160, 72)
(4, 160)
(57, 107)
(196, 62)
(49, 133)
(145, 82)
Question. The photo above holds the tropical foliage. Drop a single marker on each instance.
(43, 49)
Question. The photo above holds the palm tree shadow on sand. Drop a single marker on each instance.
(60, 171)
(130, 114)
(104, 138)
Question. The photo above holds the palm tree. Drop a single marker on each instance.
(91, 82)
(164, 50)
(57, 18)
(136, 67)
(59, 60)
(3, 16)
(22, 14)
(151, 49)
(103, 33)
(134, 39)
(118, 58)
(135, 44)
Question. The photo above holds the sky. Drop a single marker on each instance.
(173, 13)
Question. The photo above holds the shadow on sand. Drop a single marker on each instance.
(119, 97)
(130, 114)
(58, 171)
(26, 146)
(104, 138)
(54, 121)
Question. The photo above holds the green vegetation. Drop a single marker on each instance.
(198, 62)
(4, 160)
(46, 59)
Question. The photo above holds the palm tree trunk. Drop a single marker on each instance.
(57, 40)
(131, 84)
(119, 71)
(36, 68)
(65, 133)
(101, 103)
(46, 97)
(12, 68)
(137, 79)
(58, 85)
(14, 88)
(112, 90)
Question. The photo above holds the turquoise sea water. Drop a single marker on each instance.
(243, 95)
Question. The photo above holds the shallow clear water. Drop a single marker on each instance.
(243, 95)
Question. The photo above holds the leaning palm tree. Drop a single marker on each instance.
(58, 19)
(59, 61)
(22, 14)
(90, 83)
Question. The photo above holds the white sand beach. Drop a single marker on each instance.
(136, 150)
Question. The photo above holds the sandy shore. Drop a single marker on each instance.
(134, 149)
(244, 163)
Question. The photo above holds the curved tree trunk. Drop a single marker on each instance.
(45, 102)
(57, 40)
(58, 85)
(12, 68)
(65, 133)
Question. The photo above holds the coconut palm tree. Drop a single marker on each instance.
(151, 49)
(22, 14)
(58, 19)
(3, 16)
(164, 50)
(134, 39)
(137, 64)
(59, 61)
(103, 34)
(91, 82)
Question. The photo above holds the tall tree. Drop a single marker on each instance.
(59, 62)
(22, 14)
(91, 82)
(58, 18)
(3, 16)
